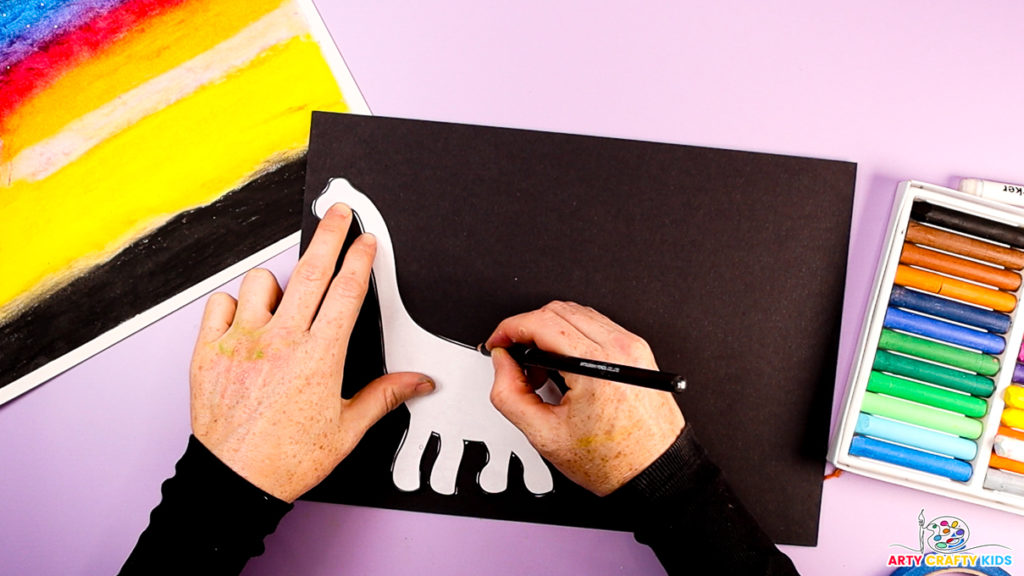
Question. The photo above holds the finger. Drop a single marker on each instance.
(257, 299)
(513, 396)
(617, 344)
(544, 329)
(536, 377)
(313, 273)
(384, 395)
(217, 317)
(591, 323)
(345, 296)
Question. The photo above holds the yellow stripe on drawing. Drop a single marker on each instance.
(47, 156)
(182, 157)
(157, 46)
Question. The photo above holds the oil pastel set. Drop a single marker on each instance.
(936, 393)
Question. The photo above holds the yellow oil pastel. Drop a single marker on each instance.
(185, 156)
(164, 42)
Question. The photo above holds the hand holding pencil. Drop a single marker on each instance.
(602, 433)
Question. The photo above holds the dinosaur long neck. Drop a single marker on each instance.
(393, 315)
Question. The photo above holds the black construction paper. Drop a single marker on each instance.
(730, 264)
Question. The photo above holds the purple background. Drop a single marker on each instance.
(926, 90)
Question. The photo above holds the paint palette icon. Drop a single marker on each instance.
(947, 534)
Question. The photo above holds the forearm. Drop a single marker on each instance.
(691, 519)
(210, 520)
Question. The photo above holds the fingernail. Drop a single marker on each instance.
(340, 209)
(425, 385)
(369, 238)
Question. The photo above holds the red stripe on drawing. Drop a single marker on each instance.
(38, 70)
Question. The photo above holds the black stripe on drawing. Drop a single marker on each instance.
(190, 248)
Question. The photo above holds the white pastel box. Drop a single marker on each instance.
(972, 489)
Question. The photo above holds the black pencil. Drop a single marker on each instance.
(527, 356)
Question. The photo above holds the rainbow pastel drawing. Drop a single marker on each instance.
(149, 150)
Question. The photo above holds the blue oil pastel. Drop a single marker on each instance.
(990, 320)
(941, 330)
(882, 451)
(916, 437)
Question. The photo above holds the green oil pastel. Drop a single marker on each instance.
(975, 384)
(938, 352)
(925, 394)
(921, 415)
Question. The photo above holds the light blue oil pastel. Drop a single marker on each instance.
(915, 437)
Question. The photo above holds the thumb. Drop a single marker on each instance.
(384, 395)
(514, 396)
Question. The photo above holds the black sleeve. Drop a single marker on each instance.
(688, 515)
(210, 520)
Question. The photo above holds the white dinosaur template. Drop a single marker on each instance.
(459, 410)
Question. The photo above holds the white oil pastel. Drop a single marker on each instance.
(459, 410)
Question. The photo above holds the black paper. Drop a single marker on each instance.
(730, 264)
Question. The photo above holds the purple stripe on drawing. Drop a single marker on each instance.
(27, 25)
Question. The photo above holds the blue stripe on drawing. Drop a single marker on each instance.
(956, 311)
(941, 330)
(26, 26)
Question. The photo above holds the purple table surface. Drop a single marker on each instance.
(926, 90)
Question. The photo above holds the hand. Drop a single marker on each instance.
(266, 372)
(602, 433)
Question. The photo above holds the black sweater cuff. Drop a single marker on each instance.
(682, 469)
(683, 508)
(210, 519)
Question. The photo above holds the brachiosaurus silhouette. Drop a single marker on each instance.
(459, 410)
